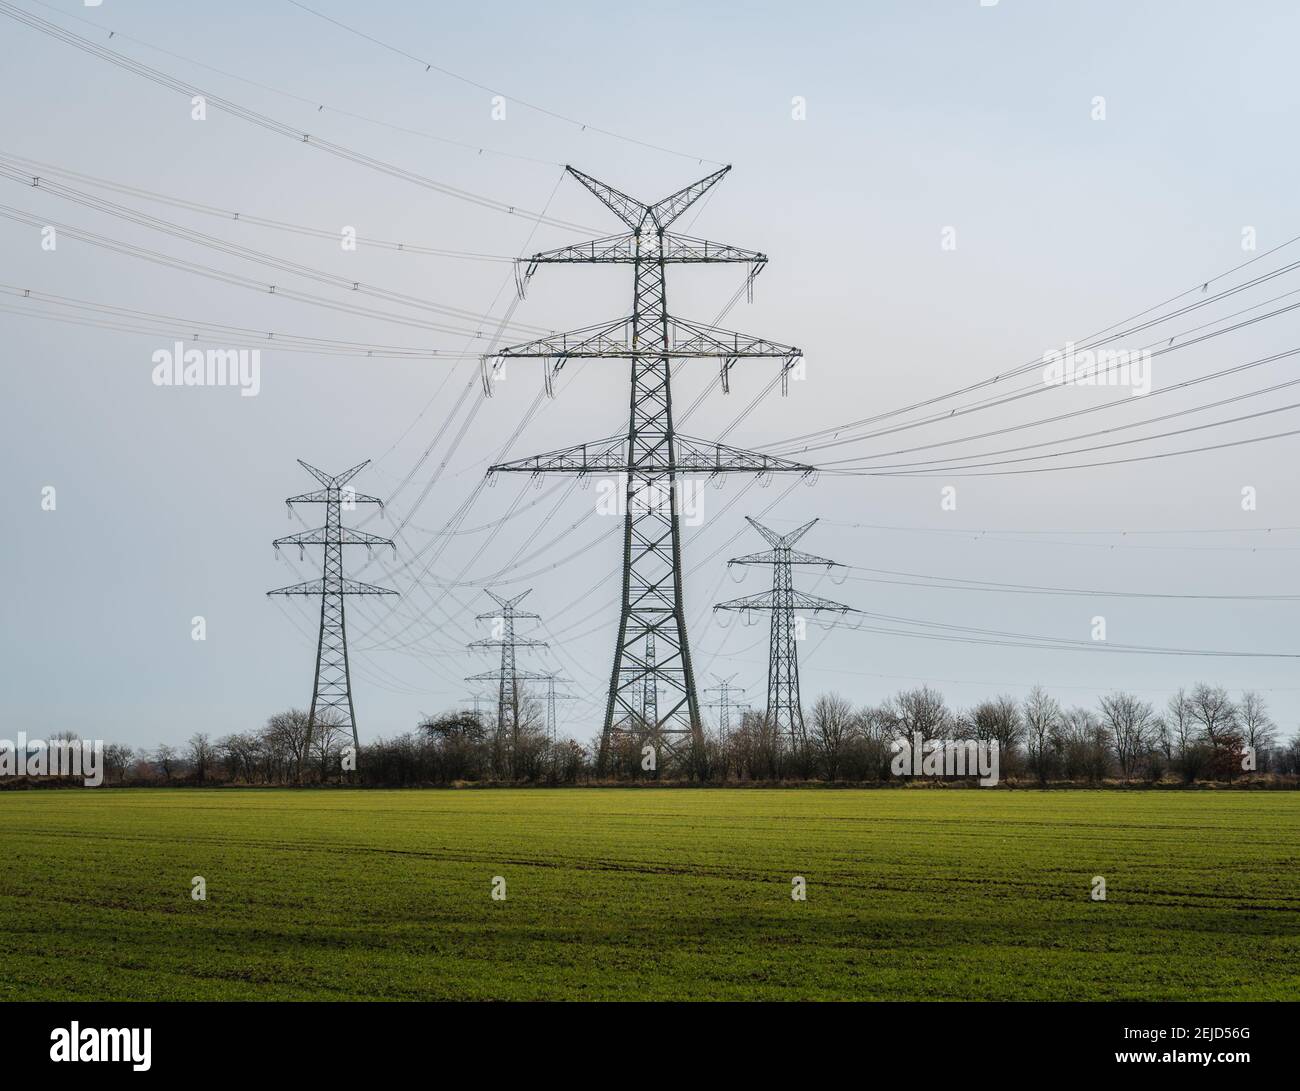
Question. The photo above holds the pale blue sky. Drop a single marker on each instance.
(919, 116)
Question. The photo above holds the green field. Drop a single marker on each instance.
(632, 893)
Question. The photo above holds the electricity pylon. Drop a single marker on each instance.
(725, 702)
(509, 676)
(551, 697)
(784, 712)
(652, 455)
(332, 688)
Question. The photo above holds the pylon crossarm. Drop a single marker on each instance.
(517, 642)
(495, 676)
(336, 481)
(339, 535)
(768, 600)
(609, 456)
(762, 601)
(703, 456)
(792, 556)
(628, 209)
(323, 496)
(606, 339)
(623, 249)
(700, 339)
(345, 587)
(686, 340)
(507, 604)
(664, 212)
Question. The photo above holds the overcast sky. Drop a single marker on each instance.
(924, 123)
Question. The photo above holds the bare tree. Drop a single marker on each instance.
(289, 733)
(164, 758)
(1082, 745)
(117, 760)
(921, 710)
(1042, 719)
(999, 721)
(241, 754)
(834, 727)
(1258, 730)
(1212, 711)
(200, 755)
(327, 740)
(1130, 724)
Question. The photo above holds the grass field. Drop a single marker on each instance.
(627, 894)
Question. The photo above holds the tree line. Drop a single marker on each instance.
(1201, 734)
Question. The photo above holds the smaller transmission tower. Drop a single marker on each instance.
(551, 697)
(726, 701)
(784, 712)
(332, 688)
(508, 676)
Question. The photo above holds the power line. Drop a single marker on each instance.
(137, 321)
(955, 583)
(953, 460)
(235, 216)
(1039, 388)
(341, 151)
(236, 279)
(1100, 337)
(317, 104)
(1000, 638)
(966, 471)
(261, 257)
(430, 66)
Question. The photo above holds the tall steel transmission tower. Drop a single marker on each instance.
(508, 676)
(332, 688)
(784, 712)
(652, 682)
(726, 701)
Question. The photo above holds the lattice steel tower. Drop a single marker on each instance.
(332, 688)
(552, 680)
(783, 708)
(652, 675)
(509, 676)
(726, 691)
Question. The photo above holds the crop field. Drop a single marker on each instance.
(624, 894)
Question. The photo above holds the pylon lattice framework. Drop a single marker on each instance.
(784, 712)
(552, 680)
(332, 688)
(726, 691)
(508, 676)
(652, 682)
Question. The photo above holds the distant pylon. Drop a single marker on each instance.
(332, 687)
(784, 712)
(508, 676)
(651, 456)
(650, 687)
(552, 696)
(725, 702)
